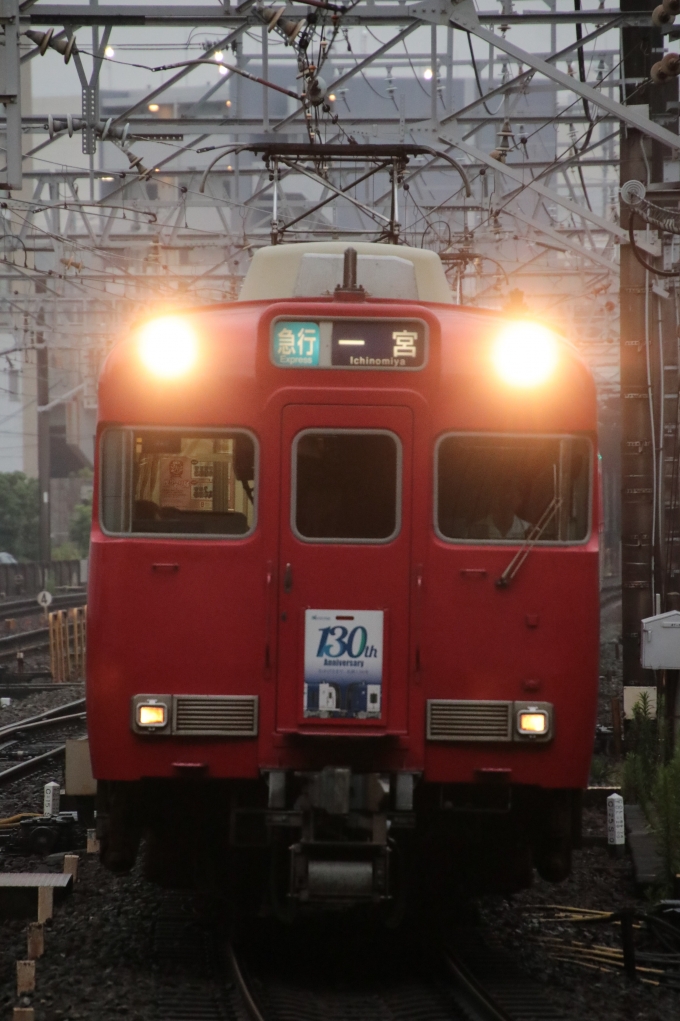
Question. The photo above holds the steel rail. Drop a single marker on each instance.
(24, 641)
(55, 721)
(27, 607)
(475, 1002)
(252, 1008)
(33, 684)
(481, 1004)
(50, 715)
(28, 764)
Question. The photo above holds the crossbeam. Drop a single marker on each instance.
(628, 114)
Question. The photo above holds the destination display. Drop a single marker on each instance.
(350, 344)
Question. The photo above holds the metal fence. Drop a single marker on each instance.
(30, 578)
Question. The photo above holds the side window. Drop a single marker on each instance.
(116, 477)
(507, 488)
(346, 486)
(177, 483)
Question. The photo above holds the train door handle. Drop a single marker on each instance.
(288, 578)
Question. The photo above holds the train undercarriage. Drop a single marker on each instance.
(333, 839)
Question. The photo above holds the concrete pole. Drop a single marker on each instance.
(44, 545)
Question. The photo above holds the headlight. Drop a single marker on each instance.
(532, 723)
(168, 347)
(151, 714)
(525, 354)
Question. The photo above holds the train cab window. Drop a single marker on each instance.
(346, 486)
(510, 488)
(178, 483)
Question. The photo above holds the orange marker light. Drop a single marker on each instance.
(151, 715)
(532, 723)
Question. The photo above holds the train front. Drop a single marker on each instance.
(343, 617)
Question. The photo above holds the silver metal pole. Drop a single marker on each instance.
(433, 80)
(265, 74)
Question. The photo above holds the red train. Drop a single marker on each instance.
(343, 609)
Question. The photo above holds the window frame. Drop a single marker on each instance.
(521, 436)
(334, 431)
(192, 431)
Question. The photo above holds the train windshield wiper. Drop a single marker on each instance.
(530, 541)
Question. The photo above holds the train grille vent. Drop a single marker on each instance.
(466, 720)
(215, 715)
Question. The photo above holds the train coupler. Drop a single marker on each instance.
(339, 874)
(340, 854)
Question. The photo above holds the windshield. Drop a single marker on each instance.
(346, 486)
(169, 482)
(497, 488)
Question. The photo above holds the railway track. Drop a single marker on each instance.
(37, 638)
(68, 714)
(24, 641)
(428, 984)
(318, 975)
(15, 608)
(408, 999)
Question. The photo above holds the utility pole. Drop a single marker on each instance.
(10, 95)
(43, 380)
(644, 424)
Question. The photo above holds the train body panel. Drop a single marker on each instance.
(353, 607)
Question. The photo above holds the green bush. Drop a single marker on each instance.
(19, 515)
(79, 529)
(600, 770)
(652, 780)
(67, 551)
(665, 816)
(642, 761)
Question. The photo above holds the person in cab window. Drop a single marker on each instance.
(503, 521)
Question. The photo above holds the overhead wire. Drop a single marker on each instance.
(136, 260)
(478, 79)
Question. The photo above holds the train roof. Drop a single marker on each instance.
(314, 269)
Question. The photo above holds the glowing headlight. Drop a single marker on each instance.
(151, 715)
(525, 354)
(167, 347)
(532, 722)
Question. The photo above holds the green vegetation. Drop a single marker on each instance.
(79, 528)
(19, 512)
(665, 816)
(651, 778)
(77, 546)
(81, 522)
(67, 551)
(20, 515)
(643, 756)
(600, 770)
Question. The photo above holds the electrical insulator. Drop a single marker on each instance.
(43, 40)
(661, 17)
(666, 68)
(316, 91)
